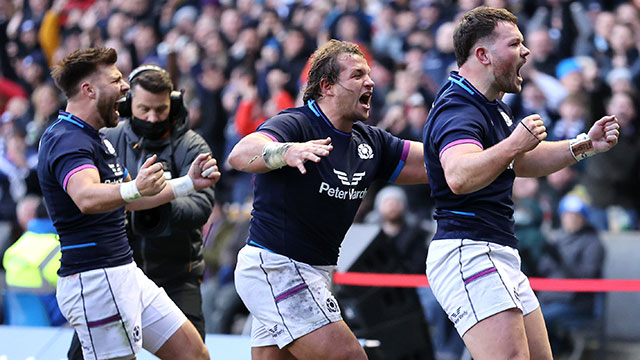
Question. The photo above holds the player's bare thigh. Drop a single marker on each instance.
(185, 343)
(537, 335)
(334, 341)
(501, 336)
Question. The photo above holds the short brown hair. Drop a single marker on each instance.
(325, 65)
(153, 79)
(69, 72)
(475, 25)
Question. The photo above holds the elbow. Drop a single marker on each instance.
(458, 186)
(87, 208)
(456, 190)
(234, 161)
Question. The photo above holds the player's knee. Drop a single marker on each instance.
(201, 354)
(516, 353)
(355, 352)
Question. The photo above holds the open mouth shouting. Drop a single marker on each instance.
(116, 105)
(365, 100)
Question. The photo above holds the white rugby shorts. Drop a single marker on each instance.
(287, 298)
(473, 280)
(117, 311)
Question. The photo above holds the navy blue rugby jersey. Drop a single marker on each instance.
(87, 241)
(305, 217)
(461, 114)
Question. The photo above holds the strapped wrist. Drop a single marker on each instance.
(581, 147)
(182, 186)
(273, 154)
(129, 191)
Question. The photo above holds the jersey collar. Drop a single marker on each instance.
(65, 116)
(313, 106)
(456, 80)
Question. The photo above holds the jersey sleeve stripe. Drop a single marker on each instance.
(269, 136)
(79, 168)
(403, 158)
(459, 142)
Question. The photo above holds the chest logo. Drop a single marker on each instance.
(117, 169)
(365, 151)
(344, 178)
(506, 118)
(110, 149)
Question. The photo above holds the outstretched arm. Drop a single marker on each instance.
(551, 156)
(257, 153)
(414, 171)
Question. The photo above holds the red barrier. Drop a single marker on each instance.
(406, 280)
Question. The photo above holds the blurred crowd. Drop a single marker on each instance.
(241, 62)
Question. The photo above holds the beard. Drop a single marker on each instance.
(507, 80)
(107, 112)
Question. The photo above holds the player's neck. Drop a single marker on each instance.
(481, 79)
(85, 112)
(335, 116)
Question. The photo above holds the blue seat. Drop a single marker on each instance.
(24, 309)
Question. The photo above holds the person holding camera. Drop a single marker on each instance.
(166, 240)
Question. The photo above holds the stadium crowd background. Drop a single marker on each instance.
(240, 62)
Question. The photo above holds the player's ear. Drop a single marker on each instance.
(482, 54)
(87, 89)
(326, 87)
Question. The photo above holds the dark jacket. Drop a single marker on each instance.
(166, 240)
(572, 256)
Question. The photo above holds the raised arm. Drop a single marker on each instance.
(92, 197)
(468, 168)
(258, 153)
(551, 156)
(414, 171)
(183, 186)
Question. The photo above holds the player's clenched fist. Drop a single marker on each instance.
(528, 133)
(150, 179)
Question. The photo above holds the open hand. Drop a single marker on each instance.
(312, 150)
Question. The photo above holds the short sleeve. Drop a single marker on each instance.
(394, 152)
(66, 161)
(458, 124)
(283, 127)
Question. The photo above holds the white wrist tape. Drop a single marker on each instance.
(182, 186)
(273, 154)
(129, 191)
(581, 147)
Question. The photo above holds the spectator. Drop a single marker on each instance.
(554, 188)
(31, 265)
(572, 118)
(613, 178)
(574, 252)
(528, 217)
(543, 55)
